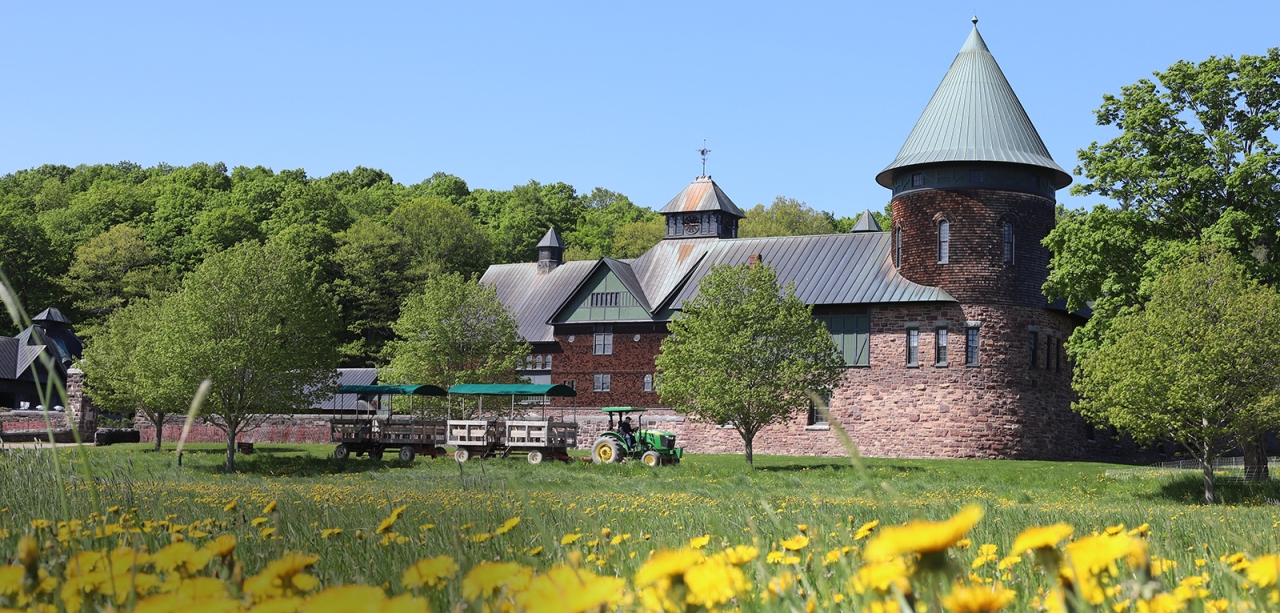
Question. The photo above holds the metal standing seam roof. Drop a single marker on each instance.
(866, 223)
(534, 298)
(666, 266)
(52, 314)
(852, 268)
(702, 195)
(974, 116)
(393, 390)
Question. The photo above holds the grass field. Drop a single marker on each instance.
(623, 513)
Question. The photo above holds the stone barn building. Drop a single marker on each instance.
(951, 348)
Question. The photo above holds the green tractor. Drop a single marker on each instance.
(652, 447)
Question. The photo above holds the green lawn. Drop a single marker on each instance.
(448, 504)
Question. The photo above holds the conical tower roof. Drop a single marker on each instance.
(974, 116)
(866, 223)
(702, 195)
(551, 239)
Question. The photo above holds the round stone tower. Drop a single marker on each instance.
(973, 196)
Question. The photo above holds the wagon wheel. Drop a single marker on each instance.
(462, 455)
(375, 454)
(406, 454)
(341, 452)
(535, 457)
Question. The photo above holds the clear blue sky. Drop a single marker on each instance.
(804, 100)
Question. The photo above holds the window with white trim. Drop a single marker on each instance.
(971, 346)
(648, 383)
(601, 382)
(940, 346)
(913, 346)
(603, 339)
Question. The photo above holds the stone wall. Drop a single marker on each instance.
(80, 407)
(275, 429)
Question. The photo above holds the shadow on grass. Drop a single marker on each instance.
(283, 461)
(786, 468)
(1189, 489)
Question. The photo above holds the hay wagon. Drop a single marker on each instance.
(372, 427)
(497, 435)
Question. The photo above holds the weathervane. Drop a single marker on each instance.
(704, 151)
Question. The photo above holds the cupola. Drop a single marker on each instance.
(550, 252)
(702, 210)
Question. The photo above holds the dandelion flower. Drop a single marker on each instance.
(714, 583)
(536, 550)
(922, 536)
(231, 506)
(222, 546)
(271, 506)
(28, 551)
(258, 521)
(739, 554)
(1037, 537)
(480, 537)
(570, 539)
(664, 564)
(486, 577)
(802, 527)
(977, 599)
(865, 529)
(1264, 570)
(568, 590)
(267, 532)
(429, 572)
(345, 598)
(507, 525)
(795, 543)
(880, 576)
(698, 542)
(329, 533)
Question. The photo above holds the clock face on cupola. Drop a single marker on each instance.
(702, 210)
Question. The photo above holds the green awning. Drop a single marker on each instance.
(374, 390)
(511, 389)
(622, 409)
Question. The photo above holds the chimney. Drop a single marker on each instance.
(754, 259)
(550, 252)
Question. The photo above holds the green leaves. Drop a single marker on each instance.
(746, 353)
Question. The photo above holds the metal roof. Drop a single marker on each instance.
(866, 223)
(664, 267)
(852, 268)
(392, 390)
(702, 195)
(52, 314)
(534, 298)
(625, 274)
(511, 389)
(974, 116)
(551, 239)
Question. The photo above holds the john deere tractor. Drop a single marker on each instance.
(652, 447)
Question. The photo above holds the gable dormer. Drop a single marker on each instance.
(702, 210)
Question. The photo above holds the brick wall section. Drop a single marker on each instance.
(80, 406)
(630, 362)
(976, 272)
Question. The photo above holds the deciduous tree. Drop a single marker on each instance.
(112, 269)
(785, 217)
(745, 353)
(1197, 363)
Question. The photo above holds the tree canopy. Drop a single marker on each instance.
(745, 353)
(1197, 363)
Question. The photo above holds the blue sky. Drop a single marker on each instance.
(804, 100)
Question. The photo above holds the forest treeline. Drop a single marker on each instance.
(90, 239)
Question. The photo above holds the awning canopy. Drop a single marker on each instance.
(511, 389)
(412, 390)
(622, 409)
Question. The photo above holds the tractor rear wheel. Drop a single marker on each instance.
(606, 450)
(651, 459)
(407, 454)
(462, 455)
(341, 452)
(375, 454)
(535, 457)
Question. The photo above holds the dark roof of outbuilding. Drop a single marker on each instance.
(974, 116)
(551, 239)
(702, 195)
(852, 268)
(52, 314)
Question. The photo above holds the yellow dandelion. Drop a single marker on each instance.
(977, 599)
(28, 551)
(739, 554)
(698, 542)
(1037, 537)
(570, 539)
(231, 506)
(429, 572)
(1263, 571)
(258, 521)
(775, 557)
(271, 506)
(565, 589)
(507, 525)
(832, 557)
(714, 583)
(802, 527)
(795, 543)
(268, 532)
(222, 546)
(329, 533)
(922, 536)
(480, 537)
(667, 563)
(880, 576)
(1007, 562)
(1142, 530)
(536, 550)
(865, 529)
(487, 577)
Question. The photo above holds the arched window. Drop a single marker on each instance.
(944, 241)
(537, 362)
(548, 362)
(1008, 242)
(648, 383)
(897, 247)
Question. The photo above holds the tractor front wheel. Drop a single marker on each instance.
(462, 455)
(605, 451)
(651, 459)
